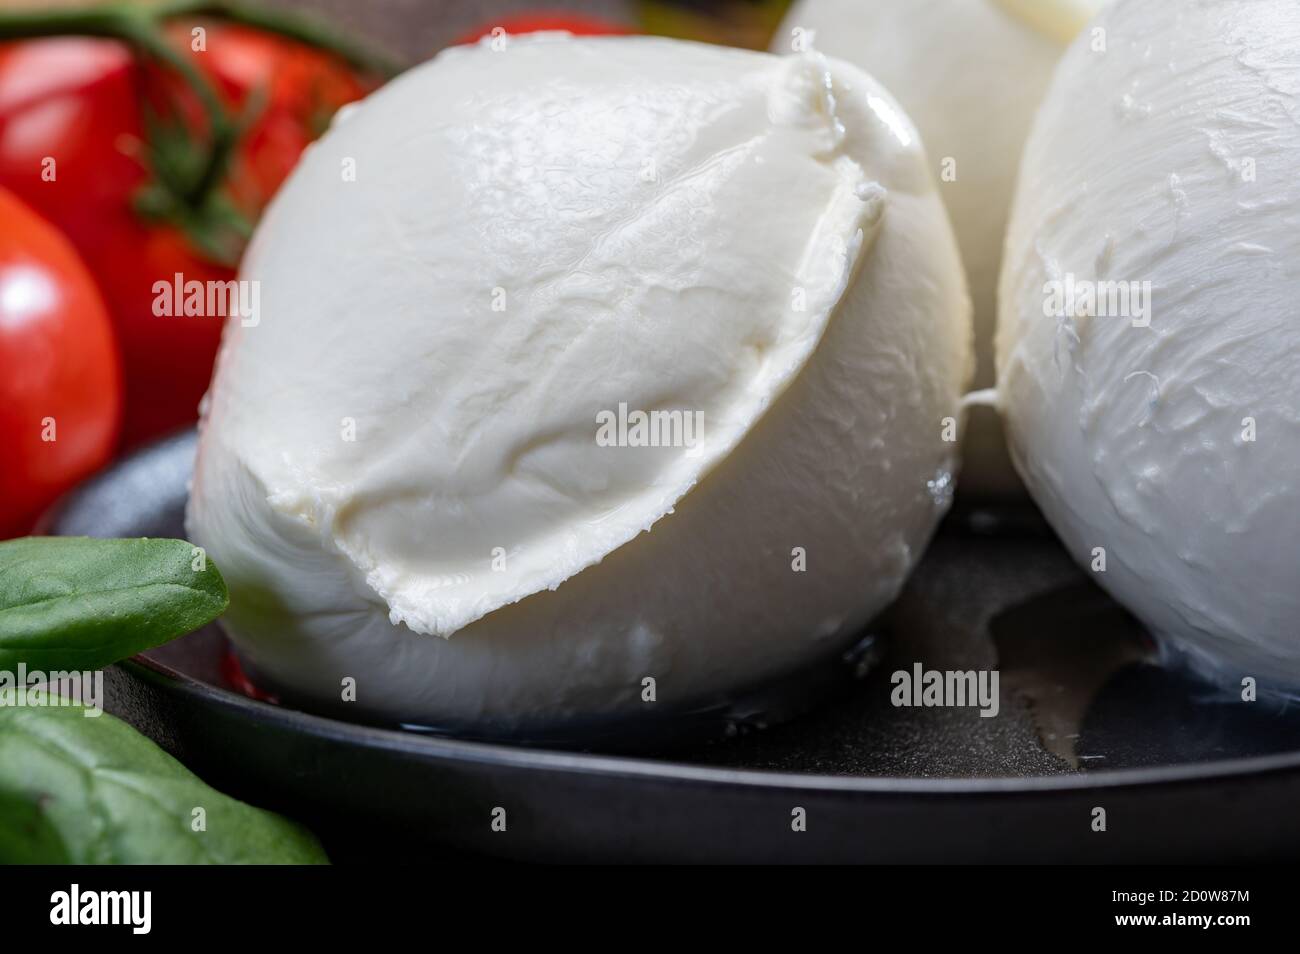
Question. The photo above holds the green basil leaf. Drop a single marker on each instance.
(91, 790)
(80, 603)
(26, 835)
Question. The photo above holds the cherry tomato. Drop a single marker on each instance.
(73, 145)
(577, 24)
(60, 385)
(293, 89)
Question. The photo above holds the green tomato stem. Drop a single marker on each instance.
(305, 30)
(142, 28)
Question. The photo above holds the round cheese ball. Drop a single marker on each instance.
(1148, 352)
(582, 363)
(970, 74)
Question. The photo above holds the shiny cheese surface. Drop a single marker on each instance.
(970, 74)
(1170, 158)
(401, 473)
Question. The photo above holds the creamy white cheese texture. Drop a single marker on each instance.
(491, 258)
(1167, 442)
(970, 74)
(1060, 19)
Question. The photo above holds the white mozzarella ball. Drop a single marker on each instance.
(1159, 426)
(971, 74)
(401, 473)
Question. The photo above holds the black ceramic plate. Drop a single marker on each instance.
(1183, 771)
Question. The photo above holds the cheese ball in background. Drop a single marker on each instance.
(970, 74)
(1169, 440)
(408, 473)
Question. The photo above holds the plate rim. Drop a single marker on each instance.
(525, 757)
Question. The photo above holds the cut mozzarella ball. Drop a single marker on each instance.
(971, 74)
(1148, 349)
(580, 363)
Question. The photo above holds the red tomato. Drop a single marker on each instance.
(577, 24)
(78, 102)
(300, 89)
(60, 387)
